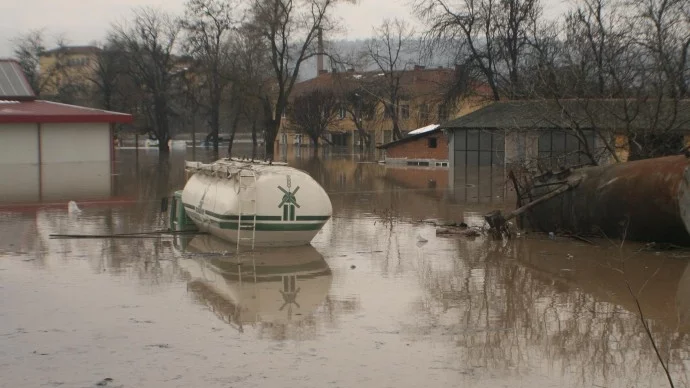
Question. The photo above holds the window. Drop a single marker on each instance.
(405, 111)
(387, 136)
(424, 112)
(433, 142)
(479, 148)
(387, 111)
(442, 112)
(562, 149)
(342, 112)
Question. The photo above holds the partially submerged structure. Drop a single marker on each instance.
(644, 200)
(252, 203)
(555, 133)
(541, 135)
(426, 146)
(40, 132)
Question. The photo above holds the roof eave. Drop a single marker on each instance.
(65, 119)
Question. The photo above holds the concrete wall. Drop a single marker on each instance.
(89, 142)
(18, 143)
(419, 148)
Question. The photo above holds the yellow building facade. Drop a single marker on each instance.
(423, 103)
(67, 69)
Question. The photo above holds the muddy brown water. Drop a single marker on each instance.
(367, 305)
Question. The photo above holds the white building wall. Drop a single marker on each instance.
(18, 143)
(75, 181)
(19, 182)
(83, 142)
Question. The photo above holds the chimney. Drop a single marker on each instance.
(319, 55)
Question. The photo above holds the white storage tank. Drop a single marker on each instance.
(255, 203)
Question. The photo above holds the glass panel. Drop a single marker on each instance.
(499, 158)
(558, 142)
(545, 141)
(472, 140)
(572, 143)
(472, 158)
(460, 140)
(460, 158)
(485, 158)
(485, 141)
(499, 141)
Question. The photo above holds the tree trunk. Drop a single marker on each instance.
(215, 125)
(397, 134)
(233, 130)
(161, 125)
(254, 140)
(270, 136)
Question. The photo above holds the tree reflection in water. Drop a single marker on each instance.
(507, 304)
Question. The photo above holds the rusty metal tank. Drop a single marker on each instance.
(645, 200)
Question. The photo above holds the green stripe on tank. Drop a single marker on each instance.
(273, 227)
(313, 218)
(288, 214)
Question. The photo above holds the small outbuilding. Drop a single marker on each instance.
(426, 146)
(43, 132)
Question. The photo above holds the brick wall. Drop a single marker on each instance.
(419, 148)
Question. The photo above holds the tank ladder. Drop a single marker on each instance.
(246, 209)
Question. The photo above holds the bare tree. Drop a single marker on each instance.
(27, 50)
(387, 50)
(106, 74)
(209, 25)
(492, 35)
(55, 81)
(252, 80)
(313, 112)
(149, 42)
(468, 31)
(360, 105)
(289, 29)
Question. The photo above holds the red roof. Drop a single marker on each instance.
(40, 111)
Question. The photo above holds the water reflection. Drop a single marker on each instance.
(449, 311)
(513, 306)
(30, 183)
(272, 288)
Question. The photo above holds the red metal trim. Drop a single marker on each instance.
(40, 161)
(112, 156)
(73, 118)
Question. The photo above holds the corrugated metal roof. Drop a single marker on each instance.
(13, 83)
(52, 112)
(611, 114)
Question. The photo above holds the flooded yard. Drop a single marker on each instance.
(378, 300)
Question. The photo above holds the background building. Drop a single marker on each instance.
(66, 73)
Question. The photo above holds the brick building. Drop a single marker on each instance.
(426, 146)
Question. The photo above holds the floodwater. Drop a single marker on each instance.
(369, 304)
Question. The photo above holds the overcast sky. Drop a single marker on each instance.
(82, 22)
